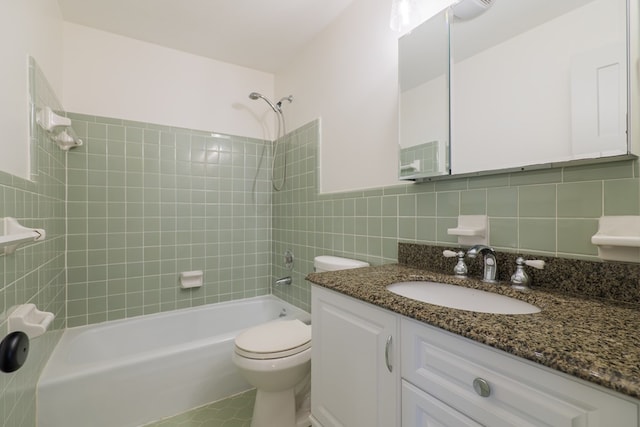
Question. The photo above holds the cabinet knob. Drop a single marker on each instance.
(481, 386)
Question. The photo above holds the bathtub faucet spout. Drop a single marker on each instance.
(284, 281)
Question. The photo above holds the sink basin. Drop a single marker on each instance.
(462, 298)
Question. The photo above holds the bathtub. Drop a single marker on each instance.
(129, 372)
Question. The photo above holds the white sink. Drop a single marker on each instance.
(462, 298)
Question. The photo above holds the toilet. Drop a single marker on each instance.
(275, 358)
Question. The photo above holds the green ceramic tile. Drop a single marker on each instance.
(374, 227)
(503, 232)
(390, 250)
(541, 176)
(614, 170)
(390, 227)
(426, 204)
(537, 201)
(451, 184)
(97, 130)
(374, 246)
(501, 180)
(426, 229)
(115, 133)
(407, 205)
(621, 197)
(537, 235)
(407, 228)
(442, 225)
(133, 134)
(580, 200)
(473, 202)
(574, 236)
(448, 204)
(502, 202)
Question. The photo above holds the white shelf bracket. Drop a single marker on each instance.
(16, 235)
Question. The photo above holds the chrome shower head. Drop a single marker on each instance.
(256, 95)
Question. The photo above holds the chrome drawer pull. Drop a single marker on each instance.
(387, 350)
(481, 387)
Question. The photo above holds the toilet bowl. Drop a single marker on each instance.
(276, 358)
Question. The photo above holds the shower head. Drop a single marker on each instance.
(256, 95)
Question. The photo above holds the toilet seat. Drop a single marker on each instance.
(274, 340)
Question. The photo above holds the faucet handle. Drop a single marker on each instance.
(520, 279)
(535, 263)
(460, 270)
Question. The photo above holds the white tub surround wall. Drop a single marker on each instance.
(127, 373)
(115, 76)
(30, 28)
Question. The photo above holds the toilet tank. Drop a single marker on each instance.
(333, 263)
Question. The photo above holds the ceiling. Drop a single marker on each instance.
(258, 34)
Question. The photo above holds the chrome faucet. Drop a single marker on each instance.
(490, 267)
(284, 281)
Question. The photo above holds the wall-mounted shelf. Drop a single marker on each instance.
(28, 319)
(16, 235)
(191, 279)
(471, 230)
(618, 238)
(59, 128)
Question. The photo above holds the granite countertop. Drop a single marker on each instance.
(590, 338)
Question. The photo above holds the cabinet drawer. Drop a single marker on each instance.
(421, 409)
(519, 392)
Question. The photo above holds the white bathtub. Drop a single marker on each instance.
(129, 372)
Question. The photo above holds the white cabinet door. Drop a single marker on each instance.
(355, 373)
(420, 409)
(517, 392)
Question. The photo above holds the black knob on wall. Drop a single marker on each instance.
(14, 349)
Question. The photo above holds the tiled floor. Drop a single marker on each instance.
(232, 412)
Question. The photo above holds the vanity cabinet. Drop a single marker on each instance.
(354, 363)
(445, 375)
(373, 367)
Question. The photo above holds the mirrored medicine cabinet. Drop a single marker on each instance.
(524, 84)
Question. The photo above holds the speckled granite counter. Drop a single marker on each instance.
(589, 338)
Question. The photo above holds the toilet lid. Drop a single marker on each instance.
(274, 339)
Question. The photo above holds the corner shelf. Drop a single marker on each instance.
(58, 128)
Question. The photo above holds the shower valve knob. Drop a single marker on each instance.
(14, 349)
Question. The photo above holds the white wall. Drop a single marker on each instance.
(27, 27)
(348, 77)
(114, 76)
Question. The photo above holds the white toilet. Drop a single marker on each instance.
(275, 357)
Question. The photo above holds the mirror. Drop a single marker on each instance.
(424, 99)
(533, 82)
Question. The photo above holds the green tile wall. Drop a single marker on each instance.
(35, 273)
(146, 202)
(552, 212)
